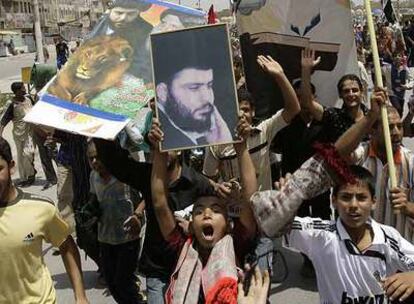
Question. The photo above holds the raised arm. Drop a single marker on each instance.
(159, 187)
(247, 178)
(307, 101)
(273, 68)
(347, 143)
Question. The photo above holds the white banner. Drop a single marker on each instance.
(66, 116)
(324, 25)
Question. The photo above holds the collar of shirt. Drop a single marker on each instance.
(109, 31)
(256, 130)
(373, 153)
(378, 234)
(345, 111)
(111, 181)
(193, 136)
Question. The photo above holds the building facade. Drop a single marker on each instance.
(69, 18)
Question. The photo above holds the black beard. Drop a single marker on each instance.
(183, 119)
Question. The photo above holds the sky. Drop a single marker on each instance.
(205, 4)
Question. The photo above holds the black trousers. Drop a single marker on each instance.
(45, 158)
(119, 263)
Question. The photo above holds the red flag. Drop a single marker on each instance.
(212, 17)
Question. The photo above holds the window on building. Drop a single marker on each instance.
(15, 7)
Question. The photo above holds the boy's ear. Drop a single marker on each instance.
(374, 203)
(12, 167)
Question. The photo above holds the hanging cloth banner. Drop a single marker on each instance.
(282, 29)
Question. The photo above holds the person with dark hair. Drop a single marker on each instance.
(372, 155)
(355, 257)
(222, 160)
(399, 81)
(295, 144)
(206, 259)
(124, 20)
(119, 216)
(262, 135)
(187, 111)
(334, 120)
(26, 221)
(62, 53)
(184, 186)
(194, 88)
(16, 110)
(41, 74)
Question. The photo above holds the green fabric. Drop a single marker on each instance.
(42, 74)
(125, 99)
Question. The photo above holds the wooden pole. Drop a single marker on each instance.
(378, 78)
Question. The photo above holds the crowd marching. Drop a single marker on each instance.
(205, 233)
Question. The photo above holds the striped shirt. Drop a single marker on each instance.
(224, 159)
(365, 156)
(344, 273)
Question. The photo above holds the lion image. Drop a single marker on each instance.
(97, 65)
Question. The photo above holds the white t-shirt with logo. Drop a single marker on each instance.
(346, 275)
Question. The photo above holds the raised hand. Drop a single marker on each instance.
(308, 59)
(270, 66)
(399, 199)
(378, 98)
(155, 135)
(258, 289)
(278, 185)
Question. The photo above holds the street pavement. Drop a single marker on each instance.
(294, 290)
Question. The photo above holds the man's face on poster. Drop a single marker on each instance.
(190, 99)
(121, 17)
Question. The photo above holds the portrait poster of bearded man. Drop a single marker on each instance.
(195, 90)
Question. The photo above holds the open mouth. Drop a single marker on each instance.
(208, 232)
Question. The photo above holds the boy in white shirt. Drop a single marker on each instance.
(356, 259)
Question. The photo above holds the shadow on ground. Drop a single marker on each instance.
(90, 279)
(291, 271)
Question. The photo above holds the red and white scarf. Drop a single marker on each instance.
(218, 277)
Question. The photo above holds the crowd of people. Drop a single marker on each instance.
(206, 235)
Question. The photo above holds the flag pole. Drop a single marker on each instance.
(378, 77)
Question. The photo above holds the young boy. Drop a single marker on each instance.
(16, 110)
(118, 229)
(355, 258)
(26, 221)
(206, 268)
